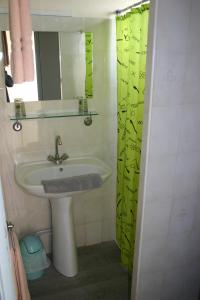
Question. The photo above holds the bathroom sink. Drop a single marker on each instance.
(29, 175)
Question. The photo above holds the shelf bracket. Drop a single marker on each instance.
(88, 120)
(17, 126)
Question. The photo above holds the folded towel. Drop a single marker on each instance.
(15, 36)
(26, 40)
(72, 184)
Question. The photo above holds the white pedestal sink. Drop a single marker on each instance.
(64, 246)
(29, 177)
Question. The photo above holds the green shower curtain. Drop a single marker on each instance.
(132, 31)
(89, 65)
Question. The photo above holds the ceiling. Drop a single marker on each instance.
(75, 8)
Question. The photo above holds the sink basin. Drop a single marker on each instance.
(29, 175)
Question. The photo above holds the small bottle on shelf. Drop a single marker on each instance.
(83, 105)
(20, 110)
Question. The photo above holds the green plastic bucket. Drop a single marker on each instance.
(34, 256)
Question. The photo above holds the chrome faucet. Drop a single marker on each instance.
(57, 159)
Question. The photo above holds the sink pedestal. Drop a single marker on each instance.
(64, 247)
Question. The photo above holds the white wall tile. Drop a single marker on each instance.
(108, 230)
(156, 223)
(173, 284)
(190, 124)
(93, 209)
(93, 233)
(193, 254)
(165, 130)
(154, 255)
(191, 88)
(182, 216)
(179, 12)
(169, 84)
(161, 175)
(152, 286)
(79, 210)
(172, 47)
(191, 281)
(177, 251)
(80, 235)
(187, 172)
(37, 140)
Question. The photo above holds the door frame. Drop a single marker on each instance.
(7, 280)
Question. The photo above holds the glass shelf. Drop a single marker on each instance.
(50, 115)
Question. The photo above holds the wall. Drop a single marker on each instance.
(90, 8)
(95, 211)
(168, 238)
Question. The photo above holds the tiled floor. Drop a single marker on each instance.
(100, 277)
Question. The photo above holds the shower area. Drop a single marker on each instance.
(132, 32)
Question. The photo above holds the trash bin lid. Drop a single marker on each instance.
(32, 244)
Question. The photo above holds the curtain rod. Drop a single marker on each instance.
(119, 11)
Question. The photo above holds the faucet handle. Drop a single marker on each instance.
(50, 158)
(64, 156)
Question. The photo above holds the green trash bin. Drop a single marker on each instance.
(34, 256)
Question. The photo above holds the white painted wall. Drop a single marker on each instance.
(167, 264)
(94, 211)
(77, 8)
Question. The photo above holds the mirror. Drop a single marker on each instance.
(63, 64)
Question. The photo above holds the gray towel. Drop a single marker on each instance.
(72, 184)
